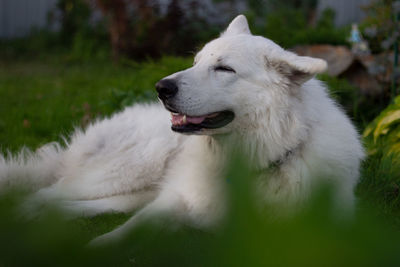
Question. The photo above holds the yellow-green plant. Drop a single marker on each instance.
(383, 133)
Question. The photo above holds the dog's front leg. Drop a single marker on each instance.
(167, 206)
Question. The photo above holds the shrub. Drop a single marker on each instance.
(138, 29)
(384, 132)
(290, 27)
(380, 28)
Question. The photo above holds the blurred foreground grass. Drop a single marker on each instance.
(317, 235)
(43, 98)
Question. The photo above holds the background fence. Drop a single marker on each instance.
(19, 17)
(347, 11)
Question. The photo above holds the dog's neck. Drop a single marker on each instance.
(230, 146)
(269, 145)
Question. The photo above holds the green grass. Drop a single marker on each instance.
(40, 100)
(44, 97)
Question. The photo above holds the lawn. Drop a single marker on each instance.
(43, 98)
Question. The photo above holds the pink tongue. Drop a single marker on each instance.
(178, 119)
(195, 120)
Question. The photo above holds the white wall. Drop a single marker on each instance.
(19, 17)
(347, 11)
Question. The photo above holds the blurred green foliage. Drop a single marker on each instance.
(378, 190)
(383, 133)
(134, 29)
(380, 27)
(75, 15)
(291, 27)
(316, 235)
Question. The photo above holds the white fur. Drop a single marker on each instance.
(133, 160)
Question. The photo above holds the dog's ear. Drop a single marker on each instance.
(298, 69)
(238, 25)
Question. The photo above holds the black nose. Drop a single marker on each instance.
(166, 88)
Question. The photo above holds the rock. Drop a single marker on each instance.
(380, 66)
(357, 74)
(339, 58)
(367, 72)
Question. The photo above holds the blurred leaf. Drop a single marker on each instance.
(385, 129)
(385, 122)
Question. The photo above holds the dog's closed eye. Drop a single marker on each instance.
(224, 69)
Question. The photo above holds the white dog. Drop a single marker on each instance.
(243, 90)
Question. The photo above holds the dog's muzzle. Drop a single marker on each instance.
(184, 123)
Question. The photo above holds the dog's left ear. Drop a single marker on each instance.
(238, 25)
(298, 69)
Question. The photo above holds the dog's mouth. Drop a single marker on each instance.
(186, 124)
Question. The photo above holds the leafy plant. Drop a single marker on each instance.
(75, 15)
(384, 132)
(380, 27)
(138, 29)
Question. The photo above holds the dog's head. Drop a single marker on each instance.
(232, 77)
